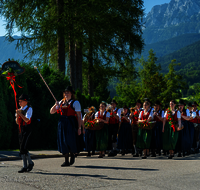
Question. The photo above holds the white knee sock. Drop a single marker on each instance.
(29, 158)
(24, 160)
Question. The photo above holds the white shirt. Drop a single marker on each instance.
(29, 112)
(162, 114)
(107, 114)
(178, 114)
(76, 105)
(193, 114)
(118, 113)
(150, 115)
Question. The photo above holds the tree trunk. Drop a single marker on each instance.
(79, 61)
(72, 63)
(61, 37)
(90, 68)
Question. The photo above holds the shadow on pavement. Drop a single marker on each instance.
(85, 175)
(8, 153)
(115, 168)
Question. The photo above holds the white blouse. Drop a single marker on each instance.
(150, 115)
(76, 105)
(189, 114)
(178, 114)
(107, 114)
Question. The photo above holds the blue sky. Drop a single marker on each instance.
(148, 4)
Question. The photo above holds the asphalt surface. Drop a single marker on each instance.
(120, 172)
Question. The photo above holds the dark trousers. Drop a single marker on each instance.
(23, 139)
(112, 134)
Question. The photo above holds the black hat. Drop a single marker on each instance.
(157, 103)
(181, 102)
(195, 103)
(24, 97)
(114, 101)
(189, 104)
(138, 101)
(69, 88)
(125, 107)
(147, 99)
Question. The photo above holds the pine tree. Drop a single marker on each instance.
(151, 80)
(173, 84)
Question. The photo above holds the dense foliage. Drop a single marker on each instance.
(150, 83)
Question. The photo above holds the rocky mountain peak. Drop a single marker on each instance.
(172, 19)
(173, 13)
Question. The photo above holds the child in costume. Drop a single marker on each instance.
(23, 119)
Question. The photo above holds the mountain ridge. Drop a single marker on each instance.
(172, 19)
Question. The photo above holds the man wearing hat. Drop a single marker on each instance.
(115, 117)
(23, 119)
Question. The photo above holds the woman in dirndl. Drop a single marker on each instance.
(157, 130)
(190, 116)
(184, 136)
(90, 139)
(125, 139)
(170, 132)
(69, 125)
(102, 135)
(134, 119)
(196, 122)
(144, 135)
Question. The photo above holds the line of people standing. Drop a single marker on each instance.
(175, 130)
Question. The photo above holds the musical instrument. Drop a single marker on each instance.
(109, 108)
(91, 110)
(133, 109)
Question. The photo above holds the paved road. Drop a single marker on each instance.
(121, 172)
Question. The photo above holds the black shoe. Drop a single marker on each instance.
(144, 157)
(192, 152)
(196, 150)
(65, 164)
(100, 156)
(179, 155)
(22, 170)
(30, 167)
(111, 154)
(136, 155)
(72, 159)
(153, 155)
(88, 155)
(170, 157)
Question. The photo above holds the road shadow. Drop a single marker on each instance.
(84, 175)
(4, 154)
(129, 157)
(115, 168)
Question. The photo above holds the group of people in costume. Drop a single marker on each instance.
(146, 129)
